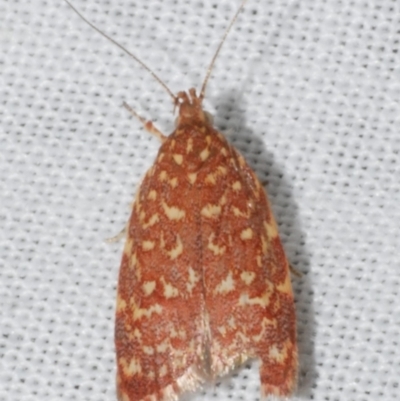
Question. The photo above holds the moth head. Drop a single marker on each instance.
(191, 110)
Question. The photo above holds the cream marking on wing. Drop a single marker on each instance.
(148, 350)
(169, 290)
(223, 200)
(148, 245)
(121, 304)
(192, 177)
(245, 300)
(148, 287)
(151, 375)
(137, 271)
(280, 355)
(215, 249)
(178, 334)
(246, 234)
(224, 151)
(173, 182)
(137, 204)
(152, 195)
(286, 286)
(132, 368)
(237, 186)
(204, 154)
(162, 347)
(162, 240)
(173, 213)
(153, 220)
(242, 162)
(274, 353)
(128, 247)
(271, 229)
(163, 176)
(231, 322)
(247, 277)
(132, 260)
(226, 285)
(211, 179)
(178, 250)
(124, 396)
(189, 145)
(173, 333)
(146, 312)
(160, 157)
(222, 330)
(137, 334)
(222, 170)
(264, 324)
(211, 211)
(163, 370)
(193, 280)
(178, 159)
(238, 213)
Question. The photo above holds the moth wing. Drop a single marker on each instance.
(204, 282)
(249, 298)
(159, 320)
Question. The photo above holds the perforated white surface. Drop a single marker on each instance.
(307, 90)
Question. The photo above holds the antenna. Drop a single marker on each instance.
(175, 99)
(203, 88)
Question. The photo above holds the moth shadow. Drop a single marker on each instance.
(231, 119)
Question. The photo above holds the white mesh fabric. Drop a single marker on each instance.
(307, 90)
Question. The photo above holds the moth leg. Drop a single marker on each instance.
(119, 236)
(295, 271)
(148, 125)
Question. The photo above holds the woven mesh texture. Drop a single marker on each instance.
(307, 90)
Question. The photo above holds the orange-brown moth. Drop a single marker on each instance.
(204, 283)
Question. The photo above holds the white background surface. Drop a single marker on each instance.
(308, 91)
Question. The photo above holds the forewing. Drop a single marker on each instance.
(159, 322)
(248, 294)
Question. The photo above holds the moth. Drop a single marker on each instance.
(204, 283)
